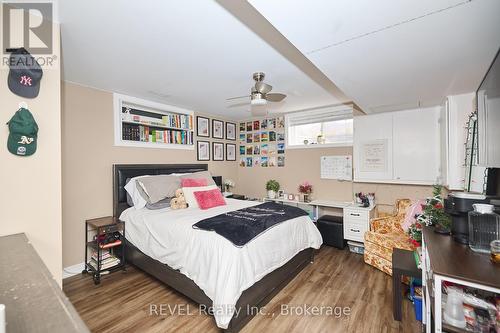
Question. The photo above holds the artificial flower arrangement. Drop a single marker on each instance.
(306, 189)
(433, 214)
(228, 184)
(366, 200)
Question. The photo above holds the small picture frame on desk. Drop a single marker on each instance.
(290, 197)
(281, 194)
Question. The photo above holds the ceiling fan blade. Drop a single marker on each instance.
(275, 97)
(259, 110)
(262, 87)
(230, 99)
(238, 105)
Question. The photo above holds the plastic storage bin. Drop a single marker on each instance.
(356, 247)
(417, 300)
(483, 229)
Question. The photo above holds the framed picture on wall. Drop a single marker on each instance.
(203, 151)
(217, 129)
(218, 151)
(230, 152)
(230, 131)
(256, 125)
(202, 127)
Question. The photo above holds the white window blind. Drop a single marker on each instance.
(334, 124)
(318, 116)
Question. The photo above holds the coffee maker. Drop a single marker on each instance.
(459, 204)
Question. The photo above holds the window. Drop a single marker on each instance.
(331, 126)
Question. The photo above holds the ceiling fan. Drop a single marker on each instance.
(260, 93)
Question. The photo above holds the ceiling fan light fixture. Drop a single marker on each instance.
(258, 99)
(258, 102)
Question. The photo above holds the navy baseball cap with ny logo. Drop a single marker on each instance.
(25, 74)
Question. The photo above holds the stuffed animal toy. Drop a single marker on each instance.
(179, 202)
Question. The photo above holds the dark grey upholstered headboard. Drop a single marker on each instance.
(122, 172)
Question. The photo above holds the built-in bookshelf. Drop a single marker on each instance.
(141, 123)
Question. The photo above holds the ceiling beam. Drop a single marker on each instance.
(253, 19)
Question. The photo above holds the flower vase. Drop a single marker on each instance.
(307, 198)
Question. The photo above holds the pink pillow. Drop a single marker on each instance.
(415, 209)
(193, 182)
(209, 199)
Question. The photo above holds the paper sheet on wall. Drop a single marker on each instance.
(374, 156)
(336, 167)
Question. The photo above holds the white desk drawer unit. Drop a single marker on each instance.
(357, 222)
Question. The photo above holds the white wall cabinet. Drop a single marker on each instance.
(416, 146)
(408, 150)
(489, 135)
(368, 130)
(454, 116)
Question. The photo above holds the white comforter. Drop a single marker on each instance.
(222, 270)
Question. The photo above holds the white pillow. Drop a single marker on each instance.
(189, 193)
(133, 191)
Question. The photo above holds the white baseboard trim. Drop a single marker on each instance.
(73, 270)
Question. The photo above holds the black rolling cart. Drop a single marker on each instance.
(106, 246)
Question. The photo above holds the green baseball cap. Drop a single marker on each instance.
(23, 133)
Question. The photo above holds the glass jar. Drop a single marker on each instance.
(483, 229)
(495, 251)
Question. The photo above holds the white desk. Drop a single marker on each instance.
(315, 204)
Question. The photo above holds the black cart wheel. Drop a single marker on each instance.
(97, 279)
(84, 272)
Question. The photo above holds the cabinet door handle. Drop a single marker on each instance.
(354, 214)
(355, 230)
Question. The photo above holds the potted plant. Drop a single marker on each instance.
(433, 214)
(306, 189)
(272, 186)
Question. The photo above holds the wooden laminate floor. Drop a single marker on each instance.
(123, 301)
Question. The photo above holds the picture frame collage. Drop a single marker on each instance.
(262, 143)
(219, 130)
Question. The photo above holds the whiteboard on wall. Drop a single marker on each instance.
(336, 167)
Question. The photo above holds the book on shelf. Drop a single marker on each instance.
(146, 134)
(105, 265)
(104, 254)
(110, 261)
(178, 121)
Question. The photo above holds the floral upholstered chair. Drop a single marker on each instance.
(386, 233)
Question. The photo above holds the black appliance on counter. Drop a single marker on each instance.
(458, 205)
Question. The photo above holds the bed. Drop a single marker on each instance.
(204, 266)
